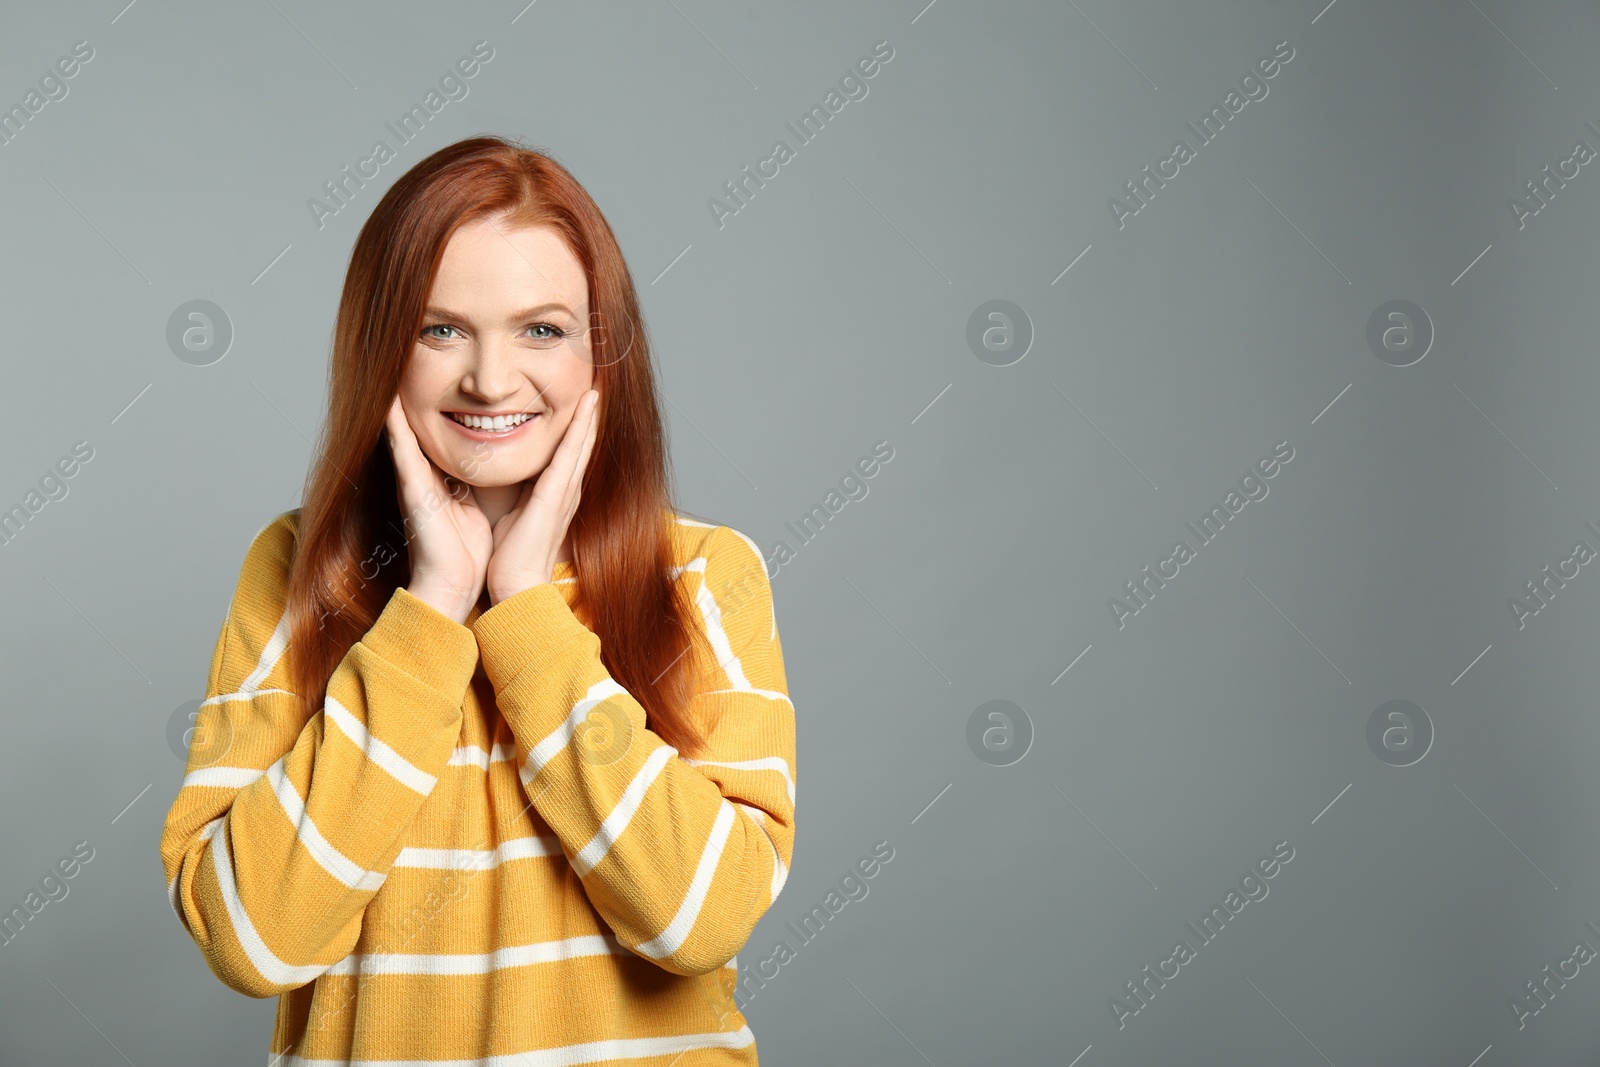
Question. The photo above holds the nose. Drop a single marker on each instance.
(492, 373)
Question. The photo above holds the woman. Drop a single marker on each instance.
(496, 763)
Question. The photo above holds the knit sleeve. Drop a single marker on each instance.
(287, 822)
(680, 857)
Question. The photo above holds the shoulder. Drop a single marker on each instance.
(281, 533)
(255, 632)
(732, 587)
(702, 545)
(271, 550)
(264, 575)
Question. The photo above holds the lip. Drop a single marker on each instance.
(481, 435)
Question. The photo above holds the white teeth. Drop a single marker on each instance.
(498, 422)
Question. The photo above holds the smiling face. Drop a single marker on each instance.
(504, 335)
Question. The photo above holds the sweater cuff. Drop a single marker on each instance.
(425, 643)
(524, 631)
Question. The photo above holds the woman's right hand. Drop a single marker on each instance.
(450, 539)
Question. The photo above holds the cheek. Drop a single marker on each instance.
(427, 375)
(413, 402)
(576, 378)
(577, 370)
(442, 454)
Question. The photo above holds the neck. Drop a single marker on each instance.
(496, 501)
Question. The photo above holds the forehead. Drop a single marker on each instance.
(490, 267)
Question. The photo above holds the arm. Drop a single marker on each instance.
(286, 823)
(680, 857)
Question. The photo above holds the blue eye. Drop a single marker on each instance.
(555, 334)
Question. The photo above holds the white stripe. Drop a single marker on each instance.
(617, 821)
(770, 694)
(376, 751)
(765, 763)
(222, 777)
(620, 1048)
(336, 863)
(462, 859)
(545, 750)
(780, 873)
(268, 965)
(690, 522)
(269, 655)
(719, 639)
(773, 632)
(246, 694)
(472, 755)
(677, 931)
(698, 565)
(753, 546)
(442, 963)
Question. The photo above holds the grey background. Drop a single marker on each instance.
(1229, 715)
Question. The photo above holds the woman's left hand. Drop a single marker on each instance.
(528, 538)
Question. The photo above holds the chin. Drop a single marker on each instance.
(502, 482)
(499, 471)
(497, 475)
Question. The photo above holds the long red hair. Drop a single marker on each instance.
(351, 552)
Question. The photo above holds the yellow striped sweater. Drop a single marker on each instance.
(475, 852)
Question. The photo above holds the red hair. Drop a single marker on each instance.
(621, 535)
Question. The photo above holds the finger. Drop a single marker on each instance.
(402, 441)
(574, 488)
(581, 461)
(460, 493)
(510, 518)
(390, 420)
(416, 471)
(395, 430)
(590, 433)
(565, 457)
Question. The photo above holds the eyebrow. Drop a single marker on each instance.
(538, 309)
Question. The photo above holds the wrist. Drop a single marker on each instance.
(506, 588)
(445, 601)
